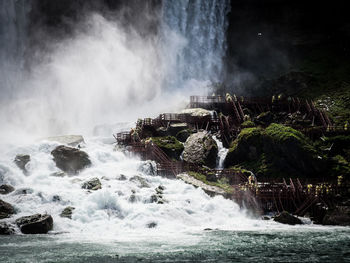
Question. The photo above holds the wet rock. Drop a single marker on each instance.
(6, 229)
(58, 174)
(148, 167)
(24, 191)
(157, 198)
(141, 182)
(93, 184)
(201, 149)
(286, 218)
(67, 212)
(70, 160)
(56, 198)
(339, 216)
(6, 209)
(122, 177)
(6, 189)
(151, 225)
(21, 161)
(35, 224)
(71, 140)
(207, 229)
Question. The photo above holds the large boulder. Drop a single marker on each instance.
(170, 145)
(6, 189)
(340, 216)
(275, 151)
(201, 149)
(35, 224)
(286, 218)
(21, 161)
(70, 160)
(6, 209)
(93, 184)
(6, 229)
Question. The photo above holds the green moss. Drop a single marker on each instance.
(222, 183)
(275, 151)
(281, 134)
(248, 124)
(170, 145)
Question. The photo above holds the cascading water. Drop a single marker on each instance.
(222, 152)
(123, 205)
(202, 25)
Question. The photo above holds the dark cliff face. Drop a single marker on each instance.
(59, 17)
(267, 37)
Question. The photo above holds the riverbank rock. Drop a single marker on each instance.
(277, 151)
(170, 145)
(286, 218)
(209, 189)
(339, 216)
(6, 209)
(21, 161)
(6, 229)
(6, 189)
(201, 149)
(67, 212)
(70, 160)
(93, 184)
(71, 140)
(35, 224)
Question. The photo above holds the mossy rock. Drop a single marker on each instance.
(275, 151)
(170, 145)
(248, 124)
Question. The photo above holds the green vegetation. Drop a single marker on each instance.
(248, 124)
(275, 151)
(170, 145)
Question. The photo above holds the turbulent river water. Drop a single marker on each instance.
(109, 226)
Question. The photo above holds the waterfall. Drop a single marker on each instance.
(13, 32)
(203, 26)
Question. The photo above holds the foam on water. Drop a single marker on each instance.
(108, 213)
